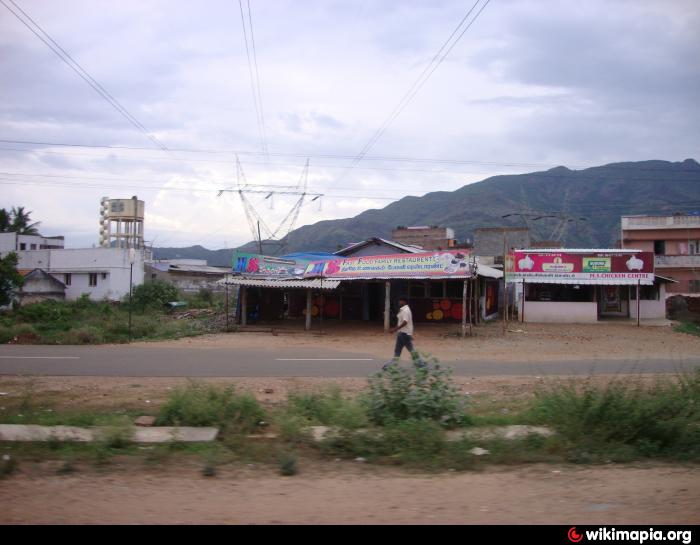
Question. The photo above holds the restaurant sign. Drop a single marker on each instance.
(441, 264)
(580, 268)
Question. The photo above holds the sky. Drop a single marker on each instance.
(531, 84)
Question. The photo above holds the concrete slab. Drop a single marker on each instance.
(510, 433)
(18, 432)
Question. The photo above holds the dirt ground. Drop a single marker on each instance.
(522, 342)
(352, 493)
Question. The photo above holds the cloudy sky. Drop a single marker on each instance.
(530, 85)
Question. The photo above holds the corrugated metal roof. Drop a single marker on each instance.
(315, 283)
(206, 269)
(405, 247)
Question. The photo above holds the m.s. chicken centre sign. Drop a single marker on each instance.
(580, 267)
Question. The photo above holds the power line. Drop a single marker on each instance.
(62, 54)
(435, 62)
(257, 97)
(389, 159)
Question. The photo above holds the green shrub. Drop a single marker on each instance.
(396, 394)
(328, 408)
(153, 294)
(658, 420)
(206, 405)
(84, 335)
(288, 464)
(6, 334)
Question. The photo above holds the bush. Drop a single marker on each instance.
(658, 420)
(205, 405)
(154, 294)
(396, 394)
(84, 335)
(328, 408)
(288, 464)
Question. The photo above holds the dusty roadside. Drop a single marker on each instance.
(345, 492)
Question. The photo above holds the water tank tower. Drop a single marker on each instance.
(121, 223)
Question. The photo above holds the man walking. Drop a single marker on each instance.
(404, 335)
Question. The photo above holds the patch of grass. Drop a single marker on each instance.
(661, 420)
(199, 404)
(692, 328)
(327, 408)
(93, 322)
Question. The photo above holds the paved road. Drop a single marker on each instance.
(158, 361)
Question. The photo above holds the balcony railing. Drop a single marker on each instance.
(677, 261)
(660, 222)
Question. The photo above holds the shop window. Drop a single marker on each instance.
(648, 293)
(67, 278)
(416, 289)
(93, 279)
(437, 289)
(454, 289)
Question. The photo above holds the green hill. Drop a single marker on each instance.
(595, 198)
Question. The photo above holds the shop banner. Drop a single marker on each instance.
(267, 266)
(593, 268)
(442, 264)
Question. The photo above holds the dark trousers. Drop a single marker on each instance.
(402, 339)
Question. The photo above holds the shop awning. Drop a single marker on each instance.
(488, 272)
(315, 283)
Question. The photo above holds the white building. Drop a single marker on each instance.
(102, 273)
(14, 242)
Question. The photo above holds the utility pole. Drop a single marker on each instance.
(505, 285)
(259, 239)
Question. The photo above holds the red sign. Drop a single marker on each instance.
(590, 268)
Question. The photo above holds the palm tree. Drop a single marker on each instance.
(5, 222)
(21, 222)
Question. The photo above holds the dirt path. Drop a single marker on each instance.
(351, 494)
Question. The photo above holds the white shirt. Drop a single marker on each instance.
(405, 315)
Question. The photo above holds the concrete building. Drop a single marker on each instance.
(675, 241)
(488, 242)
(14, 242)
(427, 237)
(40, 286)
(102, 273)
(189, 275)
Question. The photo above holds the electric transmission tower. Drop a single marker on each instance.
(258, 226)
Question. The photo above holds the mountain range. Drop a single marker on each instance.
(584, 208)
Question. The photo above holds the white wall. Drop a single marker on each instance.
(650, 309)
(114, 262)
(560, 312)
(10, 242)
